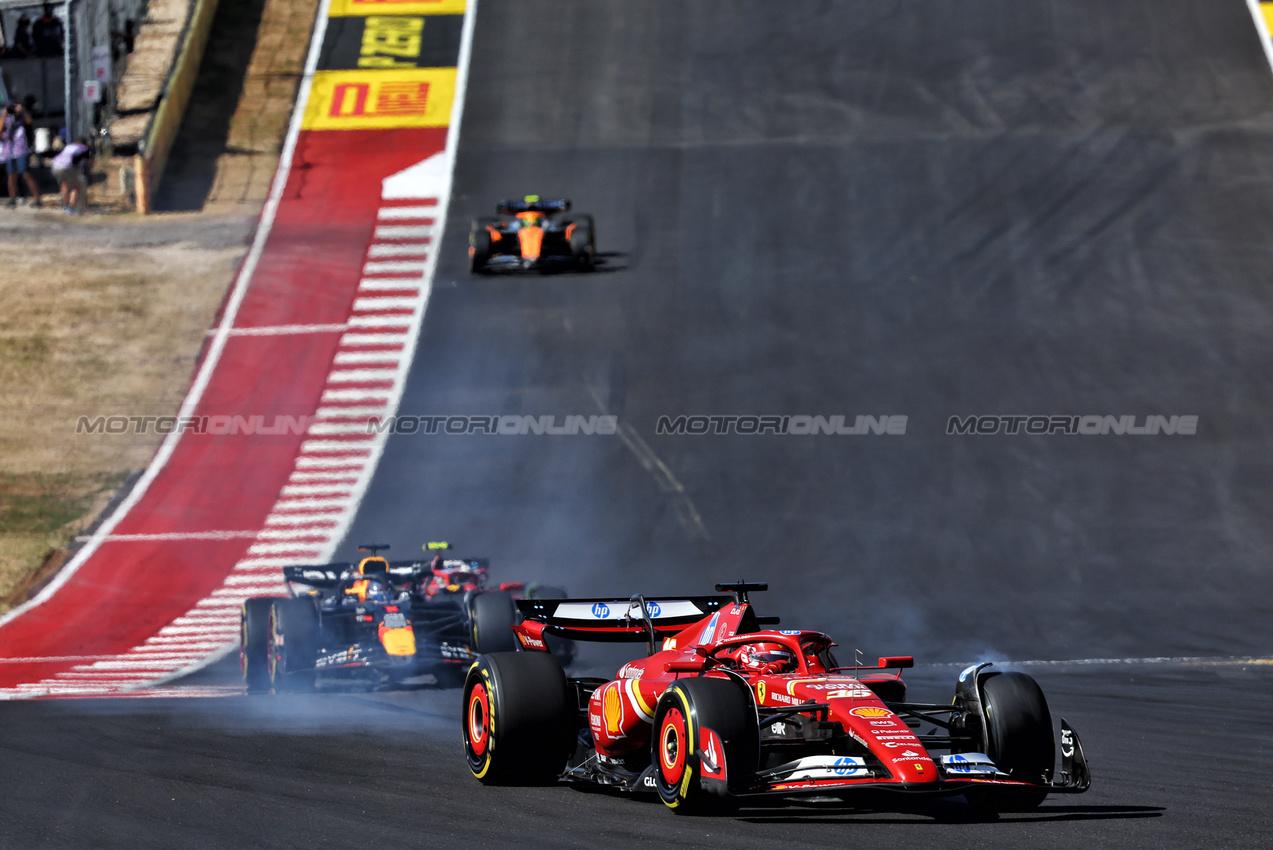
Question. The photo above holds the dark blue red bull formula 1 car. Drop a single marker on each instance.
(380, 623)
(723, 710)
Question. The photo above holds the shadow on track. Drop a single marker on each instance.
(950, 813)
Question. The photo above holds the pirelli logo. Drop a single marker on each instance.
(375, 99)
(354, 8)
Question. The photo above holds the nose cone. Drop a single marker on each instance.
(398, 641)
(532, 239)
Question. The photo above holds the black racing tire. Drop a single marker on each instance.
(685, 708)
(564, 648)
(293, 644)
(254, 643)
(479, 245)
(583, 242)
(492, 619)
(520, 719)
(1020, 741)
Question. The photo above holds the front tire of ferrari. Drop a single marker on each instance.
(519, 718)
(293, 641)
(684, 710)
(1020, 741)
(493, 617)
(254, 644)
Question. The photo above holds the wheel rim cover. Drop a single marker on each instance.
(478, 726)
(672, 746)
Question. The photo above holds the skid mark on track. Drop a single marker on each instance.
(688, 516)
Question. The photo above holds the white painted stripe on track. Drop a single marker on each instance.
(386, 303)
(360, 376)
(398, 249)
(386, 338)
(53, 659)
(399, 266)
(426, 213)
(399, 231)
(286, 330)
(362, 321)
(344, 357)
(379, 283)
(332, 489)
(180, 535)
(331, 429)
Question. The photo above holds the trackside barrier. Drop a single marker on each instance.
(165, 122)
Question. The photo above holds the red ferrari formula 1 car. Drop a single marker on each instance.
(723, 710)
(530, 234)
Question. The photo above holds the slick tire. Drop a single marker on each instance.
(492, 619)
(520, 718)
(564, 648)
(1020, 741)
(479, 245)
(583, 242)
(683, 711)
(293, 644)
(254, 644)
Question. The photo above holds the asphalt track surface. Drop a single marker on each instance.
(920, 209)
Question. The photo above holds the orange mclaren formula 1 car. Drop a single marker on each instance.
(380, 623)
(532, 234)
(723, 710)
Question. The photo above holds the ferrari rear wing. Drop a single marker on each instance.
(618, 620)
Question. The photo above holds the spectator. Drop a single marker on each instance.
(68, 170)
(23, 44)
(122, 42)
(14, 137)
(47, 33)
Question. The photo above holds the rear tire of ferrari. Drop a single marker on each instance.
(254, 644)
(519, 718)
(293, 644)
(1020, 741)
(493, 618)
(684, 710)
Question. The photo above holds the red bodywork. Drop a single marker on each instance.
(869, 743)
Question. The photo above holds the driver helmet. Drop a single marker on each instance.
(376, 591)
(767, 658)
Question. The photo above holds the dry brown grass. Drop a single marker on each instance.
(88, 331)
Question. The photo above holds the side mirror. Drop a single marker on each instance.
(901, 662)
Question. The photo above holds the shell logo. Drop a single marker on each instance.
(866, 711)
(613, 708)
